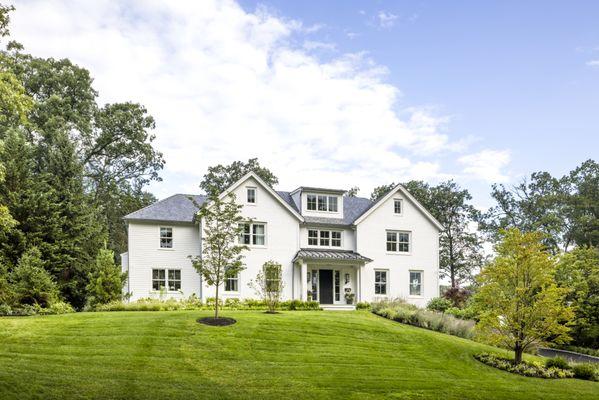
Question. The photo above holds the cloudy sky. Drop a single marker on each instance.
(343, 93)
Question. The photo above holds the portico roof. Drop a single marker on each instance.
(330, 255)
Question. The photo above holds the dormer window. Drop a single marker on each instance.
(251, 195)
(322, 203)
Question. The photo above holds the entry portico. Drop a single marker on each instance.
(327, 276)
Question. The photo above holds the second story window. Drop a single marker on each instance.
(324, 238)
(253, 234)
(166, 238)
(251, 195)
(398, 242)
(231, 282)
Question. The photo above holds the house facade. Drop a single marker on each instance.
(328, 244)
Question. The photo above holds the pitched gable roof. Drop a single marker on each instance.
(407, 194)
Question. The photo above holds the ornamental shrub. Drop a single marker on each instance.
(32, 284)
(439, 304)
(557, 362)
(585, 371)
(363, 306)
(526, 368)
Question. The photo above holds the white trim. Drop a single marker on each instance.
(416, 296)
(252, 174)
(247, 189)
(387, 284)
(397, 242)
(410, 197)
(400, 213)
(160, 227)
(330, 238)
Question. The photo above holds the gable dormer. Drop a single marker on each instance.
(319, 202)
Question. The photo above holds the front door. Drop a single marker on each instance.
(325, 287)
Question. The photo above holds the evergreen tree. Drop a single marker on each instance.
(106, 281)
(31, 282)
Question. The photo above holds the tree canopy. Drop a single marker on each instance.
(220, 177)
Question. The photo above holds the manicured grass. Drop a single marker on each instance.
(293, 355)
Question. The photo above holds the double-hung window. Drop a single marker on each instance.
(158, 279)
(174, 280)
(253, 234)
(166, 238)
(322, 203)
(251, 195)
(397, 206)
(324, 238)
(398, 241)
(415, 283)
(231, 282)
(311, 200)
(169, 279)
(335, 239)
(380, 282)
(312, 237)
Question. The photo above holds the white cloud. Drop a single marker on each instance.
(386, 19)
(593, 63)
(316, 45)
(486, 165)
(225, 84)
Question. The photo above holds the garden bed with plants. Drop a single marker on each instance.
(194, 303)
(553, 368)
(400, 311)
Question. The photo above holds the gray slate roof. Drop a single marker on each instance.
(330, 255)
(178, 208)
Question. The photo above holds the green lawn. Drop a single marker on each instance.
(293, 355)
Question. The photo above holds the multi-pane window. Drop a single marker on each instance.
(166, 279)
(253, 234)
(322, 203)
(166, 238)
(415, 283)
(312, 237)
(380, 282)
(158, 279)
(398, 241)
(174, 279)
(324, 238)
(231, 282)
(251, 195)
(311, 199)
(397, 206)
(335, 239)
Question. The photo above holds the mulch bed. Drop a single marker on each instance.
(223, 321)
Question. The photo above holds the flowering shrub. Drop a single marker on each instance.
(526, 368)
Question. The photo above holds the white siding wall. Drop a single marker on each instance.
(424, 254)
(282, 241)
(145, 254)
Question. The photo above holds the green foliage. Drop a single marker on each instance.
(439, 304)
(582, 350)
(353, 192)
(32, 284)
(520, 304)
(531, 369)
(557, 362)
(221, 257)
(400, 311)
(363, 305)
(458, 297)
(106, 281)
(563, 209)
(586, 371)
(578, 272)
(269, 284)
(220, 177)
(5, 19)
(381, 191)
(460, 247)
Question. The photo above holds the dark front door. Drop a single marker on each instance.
(325, 287)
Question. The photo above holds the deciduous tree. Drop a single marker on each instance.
(269, 284)
(519, 302)
(220, 177)
(221, 255)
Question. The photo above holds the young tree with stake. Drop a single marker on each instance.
(221, 255)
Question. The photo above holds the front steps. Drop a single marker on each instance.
(338, 307)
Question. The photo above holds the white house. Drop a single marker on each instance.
(328, 244)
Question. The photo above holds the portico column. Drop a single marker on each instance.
(303, 280)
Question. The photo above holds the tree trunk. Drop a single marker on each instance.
(216, 304)
(518, 350)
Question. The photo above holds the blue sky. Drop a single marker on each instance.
(343, 93)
